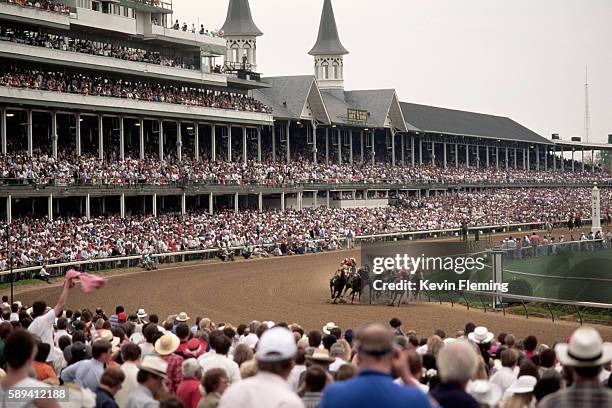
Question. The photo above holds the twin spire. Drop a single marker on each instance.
(328, 41)
(239, 21)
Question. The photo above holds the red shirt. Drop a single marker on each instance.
(189, 392)
(174, 372)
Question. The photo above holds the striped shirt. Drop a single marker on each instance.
(581, 394)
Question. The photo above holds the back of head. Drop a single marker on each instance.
(221, 344)
(38, 308)
(112, 377)
(130, 352)
(212, 378)
(457, 363)
(415, 363)
(374, 343)
(43, 352)
(546, 386)
(509, 358)
(100, 347)
(316, 378)
(19, 348)
(314, 338)
(182, 331)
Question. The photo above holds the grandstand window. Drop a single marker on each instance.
(325, 70)
(336, 70)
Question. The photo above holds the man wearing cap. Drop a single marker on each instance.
(150, 383)
(269, 387)
(378, 360)
(585, 355)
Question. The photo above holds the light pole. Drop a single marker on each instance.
(9, 254)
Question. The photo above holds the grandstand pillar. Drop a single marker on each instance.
(507, 158)
(273, 142)
(339, 135)
(392, 134)
(314, 198)
(420, 151)
(554, 158)
(433, 153)
(327, 199)
(497, 157)
(562, 159)
(412, 153)
(515, 159)
(3, 129)
(592, 160)
(179, 141)
(487, 156)
(50, 207)
(582, 149)
(282, 201)
(528, 159)
(196, 128)
(213, 142)
(30, 128)
(444, 153)
(9, 209)
(573, 162)
(244, 145)
(477, 155)
(288, 140)
(54, 136)
(88, 206)
(100, 137)
(211, 204)
(361, 160)
(121, 139)
(104, 205)
(373, 148)
(403, 147)
(467, 155)
(160, 139)
(140, 137)
(183, 204)
(122, 205)
(260, 201)
(229, 143)
(351, 146)
(537, 158)
(78, 134)
(299, 200)
(259, 145)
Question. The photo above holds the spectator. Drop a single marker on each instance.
(218, 357)
(87, 373)
(110, 384)
(215, 382)
(316, 379)
(522, 392)
(506, 375)
(189, 389)
(150, 383)
(457, 364)
(130, 355)
(165, 347)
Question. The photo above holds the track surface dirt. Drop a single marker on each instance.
(290, 289)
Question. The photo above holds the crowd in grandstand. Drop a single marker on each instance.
(41, 241)
(55, 6)
(134, 359)
(64, 43)
(69, 169)
(20, 77)
(203, 31)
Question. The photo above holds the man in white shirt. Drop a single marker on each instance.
(269, 387)
(336, 351)
(62, 326)
(218, 358)
(130, 353)
(42, 325)
(506, 375)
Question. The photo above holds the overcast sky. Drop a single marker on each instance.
(522, 58)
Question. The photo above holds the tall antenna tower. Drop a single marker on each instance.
(587, 115)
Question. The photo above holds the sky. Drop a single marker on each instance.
(523, 59)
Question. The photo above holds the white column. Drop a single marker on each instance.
(88, 206)
(183, 204)
(582, 149)
(507, 164)
(477, 155)
(154, 204)
(373, 147)
(596, 210)
(260, 201)
(456, 155)
(50, 207)
(487, 156)
(259, 144)
(3, 129)
(524, 159)
(210, 204)
(338, 133)
(100, 137)
(299, 200)
(213, 142)
(528, 158)
(537, 157)
(327, 199)
(288, 140)
(515, 159)
(351, 146)
(392, 132)
(554, 159)
(412, 152)
(122, 205)
(282, 201)
(78, 134)
(30, 129)
(229, 143)
(420, 152)
(562, 160)
(196, 128)
(467, 155)
(433, 153)
(140, 137)
(245, 157)
(160, 139)
(362, 152)
(121, 139)
(179, 141)
(445, 159)
(496, 158)
(54, 136)
(9, 209)
(314, 142)
(403, 147)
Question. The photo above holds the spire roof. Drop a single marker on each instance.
(239, 20)
(328, 42)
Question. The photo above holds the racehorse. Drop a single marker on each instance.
(354, 283)
(337, 284)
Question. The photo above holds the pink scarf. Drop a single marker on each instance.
(89, 283)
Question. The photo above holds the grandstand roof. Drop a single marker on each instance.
(289, 95)
(239, 20)
(455, 122)
(328, 41)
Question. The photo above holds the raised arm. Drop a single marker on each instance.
(61, 302)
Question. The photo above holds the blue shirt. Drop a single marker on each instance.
(373, 389)
(85, 373)
(105, 399)
(453, 396)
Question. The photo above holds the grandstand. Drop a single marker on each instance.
(115, 113)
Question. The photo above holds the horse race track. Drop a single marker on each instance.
(290, 289)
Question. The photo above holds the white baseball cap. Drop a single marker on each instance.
(276, 344)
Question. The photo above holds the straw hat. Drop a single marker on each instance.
(586, 349)
(328, 327)
(182, 317)
(481, 335)
(167, 344)
(321, 355)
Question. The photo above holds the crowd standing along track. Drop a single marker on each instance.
(291, 289)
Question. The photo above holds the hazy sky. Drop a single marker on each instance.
(519, 58)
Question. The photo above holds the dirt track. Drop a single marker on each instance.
(291, 289)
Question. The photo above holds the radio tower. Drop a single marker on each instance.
(587, 115)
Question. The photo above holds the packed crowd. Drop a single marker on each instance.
(69, 169)
(55, 6)
(21, 77)
(41, 241)
(132, 359)
(64, 43)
